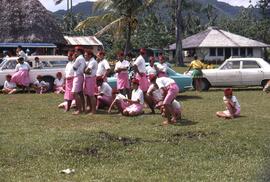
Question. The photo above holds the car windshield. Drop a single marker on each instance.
(4, 61)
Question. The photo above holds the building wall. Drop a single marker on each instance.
(214, 54)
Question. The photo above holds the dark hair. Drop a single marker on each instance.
(195, 57)
(19, 46)
(36, 58)
(90, 53)
(8, 76)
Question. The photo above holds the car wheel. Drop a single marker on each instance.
(50, 80)
(205, 85)
(264, 83)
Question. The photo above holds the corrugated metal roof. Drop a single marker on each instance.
(29, 45)
(83, 40)
(214, 37)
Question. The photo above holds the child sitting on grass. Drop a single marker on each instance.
(9, 86)
(232, 105)
(40, 86)
(59, 84)
(130, 107)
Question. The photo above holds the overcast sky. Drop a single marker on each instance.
(50, 5)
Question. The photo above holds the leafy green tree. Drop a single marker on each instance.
(120, 18)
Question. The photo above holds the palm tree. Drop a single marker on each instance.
(120, 17)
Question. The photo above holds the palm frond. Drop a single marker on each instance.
(116, 25)
(95, 20)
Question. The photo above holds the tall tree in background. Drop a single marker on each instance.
(179, 59)
(121, 18)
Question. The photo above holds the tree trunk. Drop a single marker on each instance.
(128, 43)
(179, 60)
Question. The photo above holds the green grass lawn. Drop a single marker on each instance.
(38, 140)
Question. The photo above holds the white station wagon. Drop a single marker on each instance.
(51, 65)
(237, 72)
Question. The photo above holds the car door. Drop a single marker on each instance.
(229, 74)
(252, 73)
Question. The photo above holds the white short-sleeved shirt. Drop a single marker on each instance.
(157, 93)
(105, 89)
(137, 94)
(140, 63)
(122, 65)
(162, 67)
(151, 70)
(234, 100)
(164, 82)
(22, 67)
(92, 65)
(176, 104)
(58, 82)
(69, 72)
(22, 54)
(41, 84)
(79, 66)
(103, 66)
(9, 85)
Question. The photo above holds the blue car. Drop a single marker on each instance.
(184, 82)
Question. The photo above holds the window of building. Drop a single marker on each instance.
(213, 52)
(235, 52)
(243, 52)
(220, 52)
(249, 52)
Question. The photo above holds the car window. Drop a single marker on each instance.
(46, 64)
(59, 63)
(10, 64)
(250, 65)
(231, 65)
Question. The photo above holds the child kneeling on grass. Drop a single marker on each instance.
(232, 105)
(9, 86)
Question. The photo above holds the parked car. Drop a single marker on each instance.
(237, 72)
(184, 82)
(51, 65)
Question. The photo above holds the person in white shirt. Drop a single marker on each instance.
(69, 75)
(103, 66)
(133, 106)
(90, 82)
(151, 68)
(104, 95)
(170, 90)
(177, 110)
(59, 84)
(40, 86)
(140, 70)
(77, 88)
(136, 102)
(21, 53)
(232, 105)
(121, 68)
(38, 64)
(9, 87)
(154, 94)
(161, 67)
(21, 77)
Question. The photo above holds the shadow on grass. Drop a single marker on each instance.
(187, 97)
(185, 122)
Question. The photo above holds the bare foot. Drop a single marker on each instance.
(76, 112)
(165, 122)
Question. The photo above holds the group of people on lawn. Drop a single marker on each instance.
(86, 83)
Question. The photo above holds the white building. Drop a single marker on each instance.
(214, 44)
